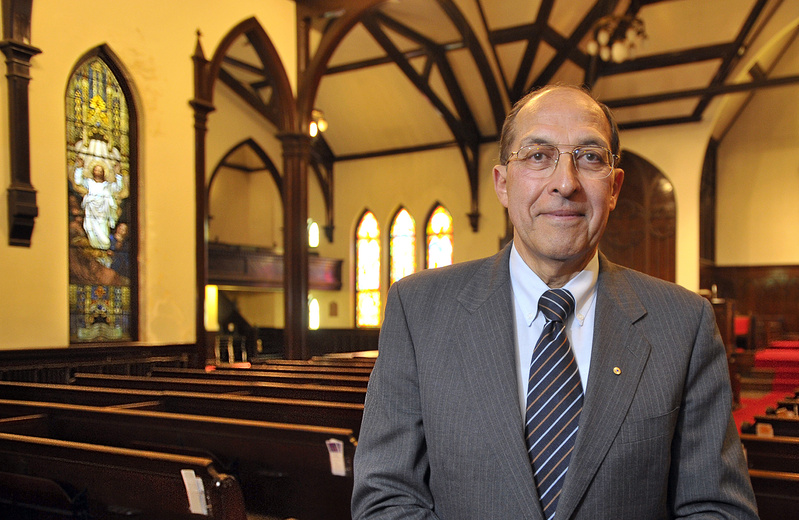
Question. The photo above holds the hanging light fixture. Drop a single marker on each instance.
(616, 37)
(318, 122)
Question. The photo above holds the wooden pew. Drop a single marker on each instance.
(340, 394)
(320, 362)
(53, 479)
(319, 413)
(73, 394)
(284, 469)
(776, 492)
(264, 376)
(341, 370)
(783, 426)
(771, 453)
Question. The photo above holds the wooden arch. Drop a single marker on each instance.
(280, 111)
(266, 163)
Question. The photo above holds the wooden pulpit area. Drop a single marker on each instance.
(153, 433)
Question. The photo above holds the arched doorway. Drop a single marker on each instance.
(641, 230)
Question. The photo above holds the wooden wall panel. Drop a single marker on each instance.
(767, 292)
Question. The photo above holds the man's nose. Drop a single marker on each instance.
(564, 179)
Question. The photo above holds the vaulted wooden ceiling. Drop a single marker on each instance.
(421, 74)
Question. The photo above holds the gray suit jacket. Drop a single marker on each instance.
(442, 433)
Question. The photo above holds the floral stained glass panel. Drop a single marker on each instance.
(403, 246)
(367, 275)
(102, 224)
(439, 238)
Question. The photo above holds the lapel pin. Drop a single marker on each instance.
(617, 371)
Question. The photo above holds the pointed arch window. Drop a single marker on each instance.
(439, 238)
(314, 315)
(102, 201)
(402, 246)
(367, 271)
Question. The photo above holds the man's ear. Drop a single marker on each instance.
(501, 183)
(615, 188)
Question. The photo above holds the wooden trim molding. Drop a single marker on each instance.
(22, 209)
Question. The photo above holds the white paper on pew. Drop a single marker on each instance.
(195, 490)
(335, 448)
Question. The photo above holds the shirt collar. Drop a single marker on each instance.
(528, 287)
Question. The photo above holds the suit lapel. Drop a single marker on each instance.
(617, 347)
(487, 337)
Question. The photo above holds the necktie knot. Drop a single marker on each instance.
(556, 304)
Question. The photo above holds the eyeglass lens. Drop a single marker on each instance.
(592, 161)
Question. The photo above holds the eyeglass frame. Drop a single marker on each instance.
(613, 157)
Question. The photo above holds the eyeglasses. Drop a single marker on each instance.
(540, 160)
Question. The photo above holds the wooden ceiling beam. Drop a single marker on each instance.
(711, 91)
(530, 51)
(734, 54)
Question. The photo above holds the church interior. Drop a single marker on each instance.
(241, 184)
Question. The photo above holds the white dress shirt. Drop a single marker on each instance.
(527, 289)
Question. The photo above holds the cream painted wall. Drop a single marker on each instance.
(758, 183)
(233, 192)
(156, 51)
(260, 309)
(757, 216)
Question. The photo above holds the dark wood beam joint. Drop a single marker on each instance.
(599, 10)
(22, 208)
(248, 96)
(533, 42)
(734, 54)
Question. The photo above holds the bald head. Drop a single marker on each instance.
(509, 126)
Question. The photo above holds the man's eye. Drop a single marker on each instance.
(590, 156)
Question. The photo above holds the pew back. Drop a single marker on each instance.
(777, 493)
(318, 378)
(284, 469)
(341, 394)
(771, 453)
(69, 477)
(297, 411)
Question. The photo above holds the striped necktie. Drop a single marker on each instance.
(554, 400)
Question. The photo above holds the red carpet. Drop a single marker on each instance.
(783, 359)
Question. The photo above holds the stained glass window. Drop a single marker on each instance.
(402, 248)
(367, 272)
(101, 203)
(439, 238)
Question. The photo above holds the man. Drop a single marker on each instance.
(452, 429)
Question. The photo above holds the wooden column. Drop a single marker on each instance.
(22, 209)
(296, 154)
(202, 107)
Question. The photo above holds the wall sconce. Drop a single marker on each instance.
(615, 37)
(318, 122)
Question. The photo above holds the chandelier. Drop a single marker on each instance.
(616, 37)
